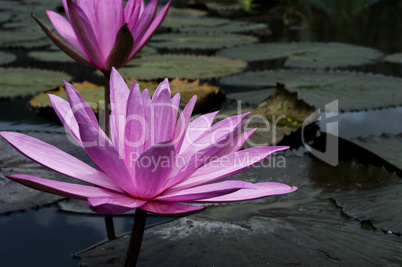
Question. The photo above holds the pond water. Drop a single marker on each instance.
(49, 237)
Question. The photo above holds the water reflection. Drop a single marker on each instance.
(366, 123)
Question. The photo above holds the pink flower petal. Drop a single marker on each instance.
(160, 126)
(150, 30)
(166, 208)
(235, 144)
(196, 128)
(145, 21)
(58, 160)
(85, 33)
(263, 190)
(114, 205)
(108, 21)
(82, 111)
(118, 100)
(102, 152)
(209, 143)
(205, 191)
(152, 169)
(76, 191)
(146, 101)
(123, 45)
(132, 13)
(64, 28)
(162, 86)
(135, 128)
(66, 116)
(182, 124)
(82, 59)
(227, 165)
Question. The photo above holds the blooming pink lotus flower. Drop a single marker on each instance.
(155, 160)
(104, 32)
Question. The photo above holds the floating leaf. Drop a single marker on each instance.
(354, 91)
(23, 39)
(306, 55)
(15, 196)
(4, 16)
(182, 66)
(94, 94)
(377, 206)
(19, 82)
(6, 58)
(54, 56)
(184, 13)
(199, 40)
(176, 23)
(388, 147)
(394, 58)
(307, 235)
(285, 105)
(231, 27)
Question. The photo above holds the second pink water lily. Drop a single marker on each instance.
(155, 159)
(105, 33)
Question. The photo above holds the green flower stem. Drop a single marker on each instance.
(137, 233)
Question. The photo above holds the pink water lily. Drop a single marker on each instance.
(104, 32)
(155, 160)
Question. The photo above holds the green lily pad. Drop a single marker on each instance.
(199, 40)
(182, 66)
(4, 16)
(307, 235)
(231, 27)
(354, 91)
(388, 147)
(184, 13)
(378, 206)
(18, 82)
(53, 56)
(306, 55)
(207, 96)
(24, 39)
(14, 196)
(394, 58)
(176, 23)
(6, 58)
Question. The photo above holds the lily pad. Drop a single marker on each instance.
(15, 196)
(394, 58)
(185, 13)
(94, 94)
(18, 82)
(284, 104)
(54, 56)
(183, 66)
(307, 55)
(354, 91)
(199, 40)
(23, 39)
(231, 27)
(4, 16)
(176, 23)
(377, 206)
(6, 58)
(306, 234)
(388, 147)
